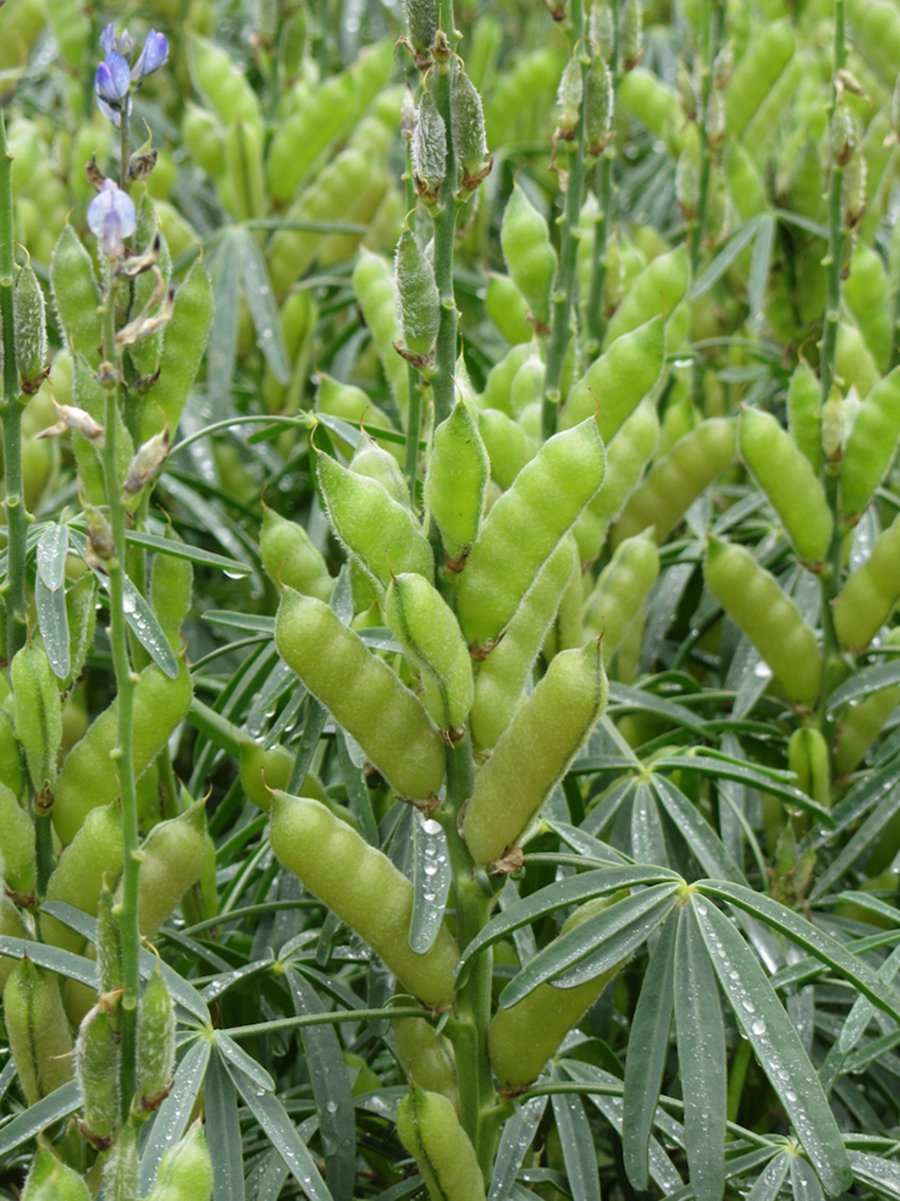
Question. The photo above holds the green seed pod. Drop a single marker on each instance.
(429, 149)
(171, 594)
(12, 925)
(18, 864)
(853, 364)
(426, 1057)
(631, 33)
(501, 678)
(186, 1171)
(654, 104)
(430, 635)
(421, 25)
(568, 100)
(95, 854)
(861, 722)
(145, 351)
(87, 779)
(676, 480)
(120, 1172)
(456, 477)
(51, 1180)
(626, 457)
(871, 447)
(221, 83)
(853, 190)
(155, 1042)
(615, 383)
(507, 308)
(529, 254)
(768, 53)
(262, 770)
(109, 941)
(508, 446)
(204, 138)
(523, 1037)
(524, 528)
(373, 283)
(804, 414)
(291, 559)
(527, 385)
(172, 858)
(363, 695)
(786, 477)
(868, 596)
(350, 403)
(381, 533)
(600, 107)
(37, 1030)
(467, 126)
(752, 598)
(535, 752)
(430, 1131)
(566, 630)
(75, 296)
(373, 462)
(12, 769)
(30, 325)
(419, 308)
(621, 591)
(867, 291)
(655, 292)
(809, 760)
(184, 342)
(97, 1074)
(38, 713)
(243, 183)
(364, 889)
(498, 385)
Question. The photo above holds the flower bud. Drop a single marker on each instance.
(469, 142)
(156, 1042)
(30, 323)
(421, 24)
(418, 301)
(599, 107)
(631, 33)
(97, 1073)
(429, 150)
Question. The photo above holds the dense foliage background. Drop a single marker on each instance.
(281, 245)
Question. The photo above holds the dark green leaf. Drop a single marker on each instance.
(431, 882)
(577, 1143)
(172, 1117)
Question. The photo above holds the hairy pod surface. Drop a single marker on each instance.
(654, 293)
(171, 594)
(507, 444)
(18, 865)
(430, 635)
(290, 558)
(456, 478)
(37, 1030)
(38, 713)
(87, 778)
(621, 591)
(535, 752)
(75, 296)
(30, 325)
(362, 694)
(871, 447)
(172, 859)
(375, 463)
(426, 1057)
(785, 475)
(615, 383)
(155, 1042)
(52, 1180)
(186, 1171)
(804, 414)
(676, 479)
(12, 925)
(383, 534)
(376, 293)
(95, 854)
(522, 1038)
(120, 1172)
(524, 528)
(529, 254)
(870, 593)
(419, 306)
(97, 1074)
(809, 759)
(501, 678)
(430, 1131)
(364, 889)
(753, 599)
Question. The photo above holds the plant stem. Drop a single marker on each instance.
(14, 500)
(832, 262)
(445, 230)
(564, 283)
(414, 383)
(594, 322)
(125, 680)
(467, 1028)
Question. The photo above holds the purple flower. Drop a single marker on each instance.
(153, 55)
(112, 83)
(120, 43)
(111, 218)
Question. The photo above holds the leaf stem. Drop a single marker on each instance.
(442, 384)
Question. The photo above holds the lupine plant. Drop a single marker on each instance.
(448, 718)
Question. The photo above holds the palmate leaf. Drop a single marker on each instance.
(645, 1059)
(776, 1044)
(700, 1033)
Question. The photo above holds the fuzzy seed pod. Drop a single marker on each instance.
(631, 33)
(599, 106)
(853, 190)
(120, 1172)
(185, 1172)
(18, 865)
(291, 559)
(603, 30)
(529, 253)
(97, 1073)
(375, 463)
(467, 126)
(418, 302)
(109, 943)
(429, 1129)
(37, 1030)
(429, 150)
(156, 1042)
(30, 324)
(38, 713)
(51, 1180)
(421, 25)
(568, 99)
(455, 481)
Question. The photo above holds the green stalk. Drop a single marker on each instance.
(467, 1029)
(414, 413)
(125, 681)
(564, 283)
(594, 322)
(442, 384)
(14, 501)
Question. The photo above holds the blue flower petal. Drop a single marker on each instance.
(111, 218)
(153, 55)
